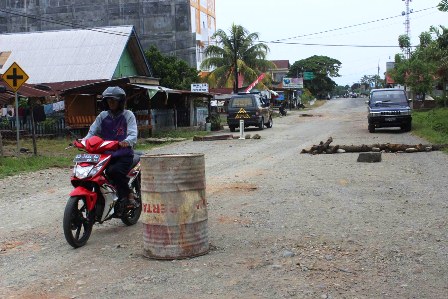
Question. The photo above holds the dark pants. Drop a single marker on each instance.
(117, 171)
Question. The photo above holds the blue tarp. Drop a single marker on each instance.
(48, 109)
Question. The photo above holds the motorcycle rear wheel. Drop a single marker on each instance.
(77, 222)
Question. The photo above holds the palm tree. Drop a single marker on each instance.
(235, 53)
(443, 5)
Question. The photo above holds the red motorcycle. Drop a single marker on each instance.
(94, 198)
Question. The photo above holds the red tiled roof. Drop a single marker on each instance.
(281, 64)
(25, 90)
(389, 80)
(223, 90)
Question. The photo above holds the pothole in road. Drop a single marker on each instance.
(7, 246)
(309, 115)
(237, 187)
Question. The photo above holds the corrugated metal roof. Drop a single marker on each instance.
(66, 55)
(99, 86)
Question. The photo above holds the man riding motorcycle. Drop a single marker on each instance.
(118, 124)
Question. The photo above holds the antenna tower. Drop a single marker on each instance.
(407, 24)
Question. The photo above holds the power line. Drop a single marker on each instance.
(346, 27)
(330, 45)
(278, 41)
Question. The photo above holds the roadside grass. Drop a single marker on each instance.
(50, 152)
(15, 165)
(431, 125)
(180, 133)
(53, 153)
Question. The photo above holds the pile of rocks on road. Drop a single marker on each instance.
(326, 148)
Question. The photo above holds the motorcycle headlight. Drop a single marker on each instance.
(81, 172)
(94, 171)
(97, 167)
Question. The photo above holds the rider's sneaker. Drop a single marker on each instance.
(132, 203)
(119, 208)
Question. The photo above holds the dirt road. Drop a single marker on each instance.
(281, 224)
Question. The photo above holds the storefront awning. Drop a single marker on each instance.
(153, 89)
(158, 88)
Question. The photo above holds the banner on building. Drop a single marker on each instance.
(292, 83)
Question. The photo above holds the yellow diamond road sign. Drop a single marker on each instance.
(15, 76)
(242, 114)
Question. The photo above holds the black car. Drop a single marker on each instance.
(250, 107)
(389, 107)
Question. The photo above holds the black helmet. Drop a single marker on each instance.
(117, 93)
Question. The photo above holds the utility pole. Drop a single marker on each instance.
(378, 75)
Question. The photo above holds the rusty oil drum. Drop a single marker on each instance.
(174, 212)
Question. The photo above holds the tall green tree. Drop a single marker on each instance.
(416, 71)
(443, 70)
(439, 54)
(372, 80)
(427, 65)
(404, 42)
(356, 87)
(341, 90)
(235, 53)
(323, 68)
(172, 71)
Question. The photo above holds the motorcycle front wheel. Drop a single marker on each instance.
(77, 224)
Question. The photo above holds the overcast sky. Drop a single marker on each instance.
(318, 22)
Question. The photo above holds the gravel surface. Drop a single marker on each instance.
(281, 224)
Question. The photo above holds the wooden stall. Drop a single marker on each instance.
(83, 103)
(144, 97)
(80, 110)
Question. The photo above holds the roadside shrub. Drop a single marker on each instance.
(49, 123)
(306, 96)
(4, 121)
(215, 120)
(441, 101)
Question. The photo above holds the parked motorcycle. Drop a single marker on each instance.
(300, 105)
(282, 111)
(94, 198)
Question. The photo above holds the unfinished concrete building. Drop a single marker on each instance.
(177, 27)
